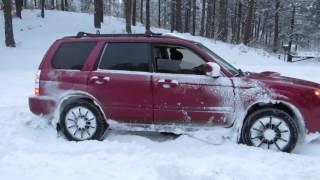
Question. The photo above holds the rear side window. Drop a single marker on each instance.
(126, 56)
(72, 55)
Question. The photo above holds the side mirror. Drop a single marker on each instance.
(212, 69)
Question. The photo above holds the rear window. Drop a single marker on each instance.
(72, 55)
(126, 56)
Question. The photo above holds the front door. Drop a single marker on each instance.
(182, 94)
(122, 82)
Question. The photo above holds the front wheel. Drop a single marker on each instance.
(81, 121)
(270, 129)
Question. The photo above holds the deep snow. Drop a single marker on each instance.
(30, 149)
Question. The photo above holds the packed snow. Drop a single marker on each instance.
(31, 149)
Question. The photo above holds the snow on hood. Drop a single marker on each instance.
(274, 77)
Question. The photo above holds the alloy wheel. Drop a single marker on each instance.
(270, 133)
(81, 123)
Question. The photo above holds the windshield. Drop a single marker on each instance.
(219, 60)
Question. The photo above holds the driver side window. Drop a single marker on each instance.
(177, 60)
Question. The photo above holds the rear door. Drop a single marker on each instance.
(183, 94)
(122, 82)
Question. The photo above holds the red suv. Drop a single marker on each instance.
(158, 82)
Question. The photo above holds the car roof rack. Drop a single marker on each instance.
(147, 34)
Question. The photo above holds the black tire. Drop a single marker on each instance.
(99, 120)
(285, 119)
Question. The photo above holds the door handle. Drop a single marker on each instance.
(99, 80)
(168, 83)
(94, 78)
(106, 78)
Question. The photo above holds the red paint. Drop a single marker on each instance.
(164, 98)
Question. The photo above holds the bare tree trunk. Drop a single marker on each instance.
(248, 23)
(9, 39)
(258, 28)
(276, 27)
(263, 30)
(52, 4)
(239, 20)
(25, 4)
(159, 13)
(42, 8)
(223, 21)
(134, 12)
(97, 20)
(292, 23)
(141, 11)
(187, 16)
(100, 11)
(165, 14)
(19, 5)
(62, 5)
(127, 9)
(209, 18)
(194, 16)
(213, 19)
(178, 16)
(234, 22)
(203, 14)
(173, 15)
(66, 5)
(148, 16)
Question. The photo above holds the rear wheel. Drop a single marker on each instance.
(81, 121)
(270, 129)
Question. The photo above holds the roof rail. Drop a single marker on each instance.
(147, 34)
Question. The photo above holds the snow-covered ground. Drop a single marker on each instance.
(30, 149)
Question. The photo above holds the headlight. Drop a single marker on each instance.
(317, 92)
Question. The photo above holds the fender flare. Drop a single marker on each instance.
(296, 112)
(70, 95)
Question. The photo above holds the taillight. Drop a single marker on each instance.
(317, 92)
(37, 84)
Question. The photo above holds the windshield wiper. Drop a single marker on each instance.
(240, 73)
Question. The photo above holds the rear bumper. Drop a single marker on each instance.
(41, 105)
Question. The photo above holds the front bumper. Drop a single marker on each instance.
(41, 106)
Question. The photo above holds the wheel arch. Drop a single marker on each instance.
(289, 108)
(72, 96)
